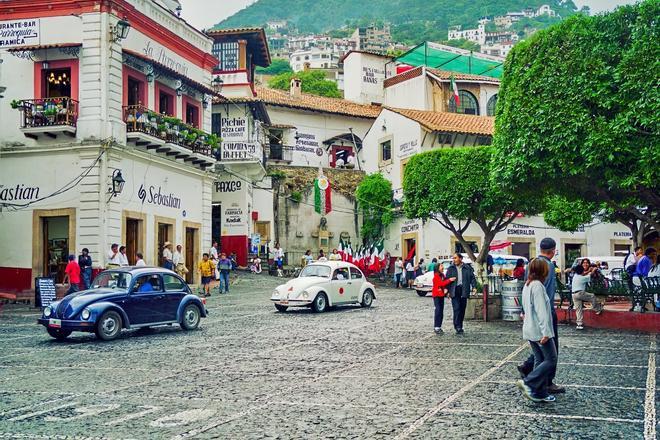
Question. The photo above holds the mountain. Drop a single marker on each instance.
(412, 21)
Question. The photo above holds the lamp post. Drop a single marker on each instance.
(117, 183)
(217, 84)
(120, 30)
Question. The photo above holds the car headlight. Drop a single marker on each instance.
(48, 311)
(276, 293)
(304, 294)
(85, 314)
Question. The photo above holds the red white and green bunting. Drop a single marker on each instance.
(322, 195)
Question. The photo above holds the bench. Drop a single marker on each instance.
(638, 295)
(645, 293)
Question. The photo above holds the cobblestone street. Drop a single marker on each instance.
(251, 372)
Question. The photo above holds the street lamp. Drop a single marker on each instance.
(217, 84)
(117, 183)
(120, 30)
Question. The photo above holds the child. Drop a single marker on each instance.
(440, 282)
(206, 269)
(72, 275)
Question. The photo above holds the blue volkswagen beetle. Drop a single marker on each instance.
(131, 297)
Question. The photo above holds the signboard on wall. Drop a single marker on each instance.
(307, 143)
(233, 129)
(234, 220)
(239, 151)
(17, 33)
(409, 148)
(373, 75)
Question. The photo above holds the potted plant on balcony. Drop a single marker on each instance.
(15, 103)
(162, 130)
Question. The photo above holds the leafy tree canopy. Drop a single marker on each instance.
(313, 81)
(578, 113)
(453, 187)
(374, 197)
(278, 66)
(413, 21)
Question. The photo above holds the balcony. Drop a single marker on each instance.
(170, 136)
(279, 153)
(48, 117)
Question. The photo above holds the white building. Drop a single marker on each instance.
(100, 91)
(477, 35)
(314, 58)
(366, 72)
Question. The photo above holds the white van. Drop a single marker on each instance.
(607, 263)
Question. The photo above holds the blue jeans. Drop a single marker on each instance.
(531, 360)
(224, 281)
(87, 277)
(439, 303)
(545, 363)
(459, 304)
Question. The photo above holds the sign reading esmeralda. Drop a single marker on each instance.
(17, 33)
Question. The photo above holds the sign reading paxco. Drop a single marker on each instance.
(16, 33)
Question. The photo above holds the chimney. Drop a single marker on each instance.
(295, 88)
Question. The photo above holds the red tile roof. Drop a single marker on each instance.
(449, 122)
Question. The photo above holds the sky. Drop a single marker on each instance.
(205, 13)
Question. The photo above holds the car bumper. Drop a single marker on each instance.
(292, 302)
(423, 288)
(67, 324)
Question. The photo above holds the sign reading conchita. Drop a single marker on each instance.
(16, 33)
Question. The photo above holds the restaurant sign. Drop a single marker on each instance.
(233, 129)
(17, 33)
(239, 151)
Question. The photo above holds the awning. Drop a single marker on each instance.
(43, 47)
(496, 245)
(443, 57)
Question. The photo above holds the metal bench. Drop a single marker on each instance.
(645, 293)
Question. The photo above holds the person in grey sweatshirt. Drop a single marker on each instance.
(538, 330)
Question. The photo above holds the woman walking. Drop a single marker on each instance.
(537, 329)
(438, 293)
(398, 272)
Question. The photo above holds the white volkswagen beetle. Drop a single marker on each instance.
(325, 284)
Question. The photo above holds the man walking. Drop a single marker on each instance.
(548, 248)
(224, 266)
(114, 258)
(459, 290)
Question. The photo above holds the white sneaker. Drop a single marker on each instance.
(579, 327)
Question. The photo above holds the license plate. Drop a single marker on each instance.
(55, 323)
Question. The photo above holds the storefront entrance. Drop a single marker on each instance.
(216, 222)
(572, 251)
(164, 233)
(55, 243)
(132, 240)
(408, 246)
(521, 250)
(192, 250)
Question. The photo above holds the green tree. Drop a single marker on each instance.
(313, 81)
(374, 198)
(453, 187)
(578, 114)
(278, 66)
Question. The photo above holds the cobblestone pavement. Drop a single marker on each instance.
(250, 372)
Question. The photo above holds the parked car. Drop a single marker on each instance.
(132, 297)
(325, 284)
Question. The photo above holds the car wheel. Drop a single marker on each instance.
(108, 326)
(281, 308)
(367, 298)
(191, 317)
(58, 333)
(320, 303)
(421, 293)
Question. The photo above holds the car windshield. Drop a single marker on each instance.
(315, 270)
(112, 280)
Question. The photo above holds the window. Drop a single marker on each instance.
(340, 275)
(173, 284)
(386, 151)
(135, 92)
(276, 145)
(57, 83)
(227, 53)
(491, 106)
(356, 274)
(192, 115)
(148, 284)
(468, 103)
(165, 103)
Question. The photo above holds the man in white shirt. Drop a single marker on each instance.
(123, 258)
(140, 261)
(113, 257)
(178, 261)
(167, 256)
(579, 290)
(213, 252)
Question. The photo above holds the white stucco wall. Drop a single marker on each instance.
(414, 93)
(363, 78)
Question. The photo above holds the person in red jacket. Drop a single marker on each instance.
(440, 282)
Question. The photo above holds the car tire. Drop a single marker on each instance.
(191, 317)
(58, 333)
(320, 303)
(281, 308)
(367, 298)
(108, 326)
(421, 293)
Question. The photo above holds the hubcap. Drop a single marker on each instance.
(109, 325)
(321, 302)
(191, 316)
(367, 298)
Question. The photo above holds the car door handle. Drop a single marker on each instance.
(160, 296)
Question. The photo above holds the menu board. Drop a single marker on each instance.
(44, 291)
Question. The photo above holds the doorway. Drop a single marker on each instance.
(521, 250)
(165, 233)
(216, 222)
(132, 239)
(571, 252)
(55, 246)
(263, 229)
(191, 252)
(408, 246)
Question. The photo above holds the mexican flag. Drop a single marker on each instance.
(322, 194)
(341, 248)
(454, 90)
(349, 253)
